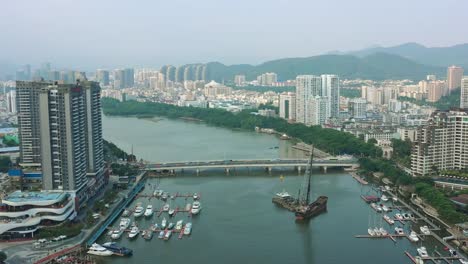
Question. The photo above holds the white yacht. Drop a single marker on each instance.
(385, 208)
(166, 207)
(283, 194)
(388, 219)
(124, 223)
(418, 260)
(163, 223)
(188, 206)
(196, 196)
(134, 232)
(157, 193)
(422, 252)
(99, 250)
(126, 212)
(399, 231)
(399, 216)
(168, 235)
(188, 229)
(377, 231)
(413, 237)
(196, 207)
(384, 198)
(371, 232)
(383, 232)
(425, 230)
(149, 210)
(171, 212)
(179, 225)
(161, 234)
(117, 233)
(139, 210)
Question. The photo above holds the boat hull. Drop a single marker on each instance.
(313, 209)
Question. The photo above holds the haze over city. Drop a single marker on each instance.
(90, 34)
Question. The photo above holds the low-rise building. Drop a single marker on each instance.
(23, 213)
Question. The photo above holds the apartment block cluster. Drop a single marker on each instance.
(315, 102)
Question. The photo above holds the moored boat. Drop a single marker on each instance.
(171, 212)
(99, 250)
(139, 210)
(384, 198)
(196, 207)
(148, 235)
(164, 223)
(413, 237)
(166, 207)
(188, 206)
(383, 232)
(149, 210)
(188, 229)
(124, 223)
(126, 212)
(161, 234)
(371, 231)
(388, 219)
(118, 250)
(170, 226)
(168, 235)
(179, 225)
(196, 196)
(133, 232)
(422, 251)
(164, 196)
(116, 234)
(399, 231)
(425, 230)
(385, 208)
(398, 216)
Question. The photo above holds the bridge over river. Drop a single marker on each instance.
(268, 164)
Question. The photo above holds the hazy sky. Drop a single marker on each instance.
(111, 33)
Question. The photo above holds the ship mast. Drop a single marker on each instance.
(307, 177)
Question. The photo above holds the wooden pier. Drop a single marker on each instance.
(359, 179)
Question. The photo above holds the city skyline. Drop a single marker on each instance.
(179, 35)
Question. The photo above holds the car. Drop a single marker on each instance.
(63, 237)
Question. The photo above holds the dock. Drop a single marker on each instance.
(438, 258)
(359, 179)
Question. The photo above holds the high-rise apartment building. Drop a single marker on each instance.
(441, 144)
(267, 79)
(287, 106)
(435, 90)
(11, 101)
(454, 76)
(307, 87)
(464, 93)
(102, 76)
(129, 78)
(357, 107)
(61, 133)
(239, 80)
(119, 79)
(319, 109)
(331, 89)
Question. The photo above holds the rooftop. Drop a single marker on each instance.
(19, 196)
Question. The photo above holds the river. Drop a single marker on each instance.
(238, 222)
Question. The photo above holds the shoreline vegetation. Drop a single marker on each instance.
(328, 140)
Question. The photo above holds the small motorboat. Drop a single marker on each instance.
(188, 229)
(133, 232)
(124, 223)
(171, 212)
(179, 225)
(155, 227)
(376, 207)
(161, 234)
(388, 219)
(188, 206)
(172, 197)
(377, 231)
(384, 198)
(453, 252)
(413, 237)
(157, 193)
(196, 196)
(418, 260)
(170, 226)
(166, 207)
(163, 223)
(425, 230)
(371, 232)
(399, 231)
(126, 212)
(164, 196)
(168, 235)
(383, 232)
(99, 250)
(399, 216)
(422, 251)
(385, 208)
(395, 199)
(148, 235)
(139, 211)
(149, 210)
(196, 207)
(116, 234)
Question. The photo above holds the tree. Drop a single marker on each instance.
(372, 141)
(3, 257)
(5, 163)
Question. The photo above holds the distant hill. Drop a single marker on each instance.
(378, 66)
(438, 56)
